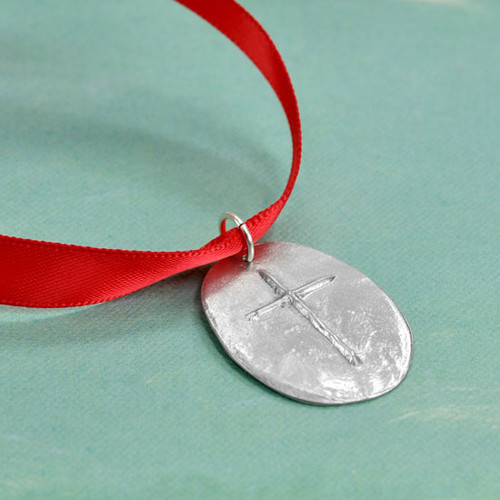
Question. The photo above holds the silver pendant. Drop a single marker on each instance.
(307, 325)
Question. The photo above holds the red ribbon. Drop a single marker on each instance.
(45, 274)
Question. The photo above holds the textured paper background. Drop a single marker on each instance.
(134, 125)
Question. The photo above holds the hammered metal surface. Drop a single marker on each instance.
(307, 325)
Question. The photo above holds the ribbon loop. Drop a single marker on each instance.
(45, 274)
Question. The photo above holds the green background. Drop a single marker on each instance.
(134, 125)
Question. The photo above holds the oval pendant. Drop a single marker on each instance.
(307, 325)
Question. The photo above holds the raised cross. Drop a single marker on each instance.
(295, 298)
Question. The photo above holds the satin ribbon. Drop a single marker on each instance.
(46, 274)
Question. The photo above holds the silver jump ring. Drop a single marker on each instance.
(244, 229)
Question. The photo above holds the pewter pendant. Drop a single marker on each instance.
(307, 325)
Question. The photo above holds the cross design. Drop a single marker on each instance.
(295, 298)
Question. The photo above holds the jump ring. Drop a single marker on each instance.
(244, 229)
